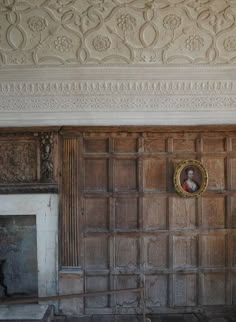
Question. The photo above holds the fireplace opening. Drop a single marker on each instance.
(18, 256)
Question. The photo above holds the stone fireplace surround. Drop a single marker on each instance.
(45, 208)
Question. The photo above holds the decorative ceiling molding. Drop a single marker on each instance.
(118, 96)
(85, 32)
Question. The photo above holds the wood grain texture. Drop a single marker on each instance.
(135, 230)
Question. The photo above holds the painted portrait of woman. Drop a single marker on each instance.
(190, 184)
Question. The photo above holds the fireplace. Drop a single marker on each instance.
(18, 256)
(28, 244)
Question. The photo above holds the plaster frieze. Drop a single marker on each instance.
(115, 95)
(90, 32)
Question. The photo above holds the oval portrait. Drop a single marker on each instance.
(190, 178)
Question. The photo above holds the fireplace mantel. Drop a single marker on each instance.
(45, 208)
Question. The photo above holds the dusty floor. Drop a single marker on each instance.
(170, 318)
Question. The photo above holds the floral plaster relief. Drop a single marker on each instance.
(78, 32)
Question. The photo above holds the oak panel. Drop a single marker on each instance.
(127, 299)
(96, 250)
(126, 213)
(211, 145)
(125, 145)
(93, 284)
(233, 173)
(96, 145)
(154, 174)
(185, 290)
(156, 290)
(155, 145)
(155, 212)
(216, 172)
(185, 251)
(125, 175)
(96, 212)
(213, 212)
(213, 289)
(184, 145)
(156, 251)
(126, 252)
(213, 251)
(183, 213)
(96, 174)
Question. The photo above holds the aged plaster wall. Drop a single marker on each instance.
(55, 32)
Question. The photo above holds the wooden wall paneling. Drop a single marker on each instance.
(138, 230)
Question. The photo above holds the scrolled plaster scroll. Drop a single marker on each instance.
(85, 32)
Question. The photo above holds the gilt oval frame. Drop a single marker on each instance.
(178, 174)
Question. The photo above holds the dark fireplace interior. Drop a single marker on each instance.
(18, 256)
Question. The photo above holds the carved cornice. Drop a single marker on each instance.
(125, 87)
(98, 97)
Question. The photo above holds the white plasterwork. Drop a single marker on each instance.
(118, 95)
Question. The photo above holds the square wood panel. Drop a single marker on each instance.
(184, 145)
(213, 251)
(185, 290)
(96, 250)
(127, 299)
(155, 213)
(156, 290)
(213, 212)
(212, 145)
(185, 251)
(125, 146)
(215, 167)
(183, 213)
(126, 213)
(213, 288)
(156, 251)
(96, 145)
(93, 284)
(155, 145)
(96, 213)
(154, 172)
(126, 252)
(125, 175)
(96, 174)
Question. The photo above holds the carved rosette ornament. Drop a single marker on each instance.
(47, 168)
(85, 32)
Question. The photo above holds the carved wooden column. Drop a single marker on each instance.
(70, 209)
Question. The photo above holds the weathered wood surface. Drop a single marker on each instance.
(124, 225)
(28, 160)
